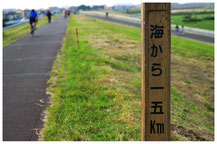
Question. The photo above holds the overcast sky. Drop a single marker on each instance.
(36, 4)
(22, 4)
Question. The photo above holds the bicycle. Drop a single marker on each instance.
(33, 29)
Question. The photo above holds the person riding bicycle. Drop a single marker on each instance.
(33, 18)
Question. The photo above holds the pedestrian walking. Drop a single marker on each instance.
(65, 13)
(106, 14)
(69, 12)
(182, 31)
(177, 28)
(49, 14)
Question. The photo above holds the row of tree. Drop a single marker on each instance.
(96, 7)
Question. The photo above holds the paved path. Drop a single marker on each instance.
(26, 67)
(186, 35)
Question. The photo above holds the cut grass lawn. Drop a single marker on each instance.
(96, 89)
(16, 33)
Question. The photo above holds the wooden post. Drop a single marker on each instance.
(77, 38)
(156, 45)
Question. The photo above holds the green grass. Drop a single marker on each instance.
(96, 89)
(204, 24)
(188, 108)
(132, 11)
(86, 106)
(188, 47)
(177, 18)
(13, 34)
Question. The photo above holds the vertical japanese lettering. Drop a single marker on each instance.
(155, 50)
(157, 31)
(157, 105)
(156, 70)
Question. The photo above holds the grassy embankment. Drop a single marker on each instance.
(178, 17)
(16, 33)
(96, 89)
(203, 24)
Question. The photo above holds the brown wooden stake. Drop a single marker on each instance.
(77, 38)
(156, 45)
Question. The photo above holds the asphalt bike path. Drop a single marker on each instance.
(27, 64)
(186, 35)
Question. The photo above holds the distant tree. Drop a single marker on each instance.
(98, 7)
(84, 7)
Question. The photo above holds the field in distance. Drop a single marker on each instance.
(197, 18)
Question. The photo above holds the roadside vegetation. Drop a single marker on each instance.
(96, 89)
(203, 19)
(197, 19)
(132, 11)
(16, 33)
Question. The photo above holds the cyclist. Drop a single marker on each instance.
(33, 18)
